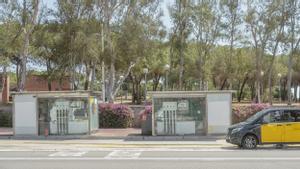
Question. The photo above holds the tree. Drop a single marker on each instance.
(261, 28)
(278, 20)
(123, 12)
(293, 26)
(206, 28)
(29, 16)
(180, 14)
(232, 19)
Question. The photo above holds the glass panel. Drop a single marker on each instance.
(179, 116)
(63, 116)
(288, 116)
(272, 117)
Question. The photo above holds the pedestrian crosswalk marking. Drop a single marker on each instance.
(123, 154)
(68, 154)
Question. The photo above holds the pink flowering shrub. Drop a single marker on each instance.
(144, 113)
(242, 112)
(115, 116)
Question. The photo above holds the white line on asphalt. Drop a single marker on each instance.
(67, 154)
(123, 154)
(153, 159)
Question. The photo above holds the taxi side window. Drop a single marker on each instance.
(289, 116)
(272, 117)
(296, 115)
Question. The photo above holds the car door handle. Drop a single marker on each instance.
(279, 125)
(288, 124)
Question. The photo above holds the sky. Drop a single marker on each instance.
(164, 6)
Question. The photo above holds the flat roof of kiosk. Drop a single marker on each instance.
(187, 93)
(59, 94)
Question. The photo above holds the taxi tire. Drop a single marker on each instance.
(249, 141)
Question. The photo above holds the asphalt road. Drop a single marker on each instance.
(150, 158)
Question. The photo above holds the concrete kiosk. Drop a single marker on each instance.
(55, 112)
(191, 112)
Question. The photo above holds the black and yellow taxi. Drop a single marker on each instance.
(276, 125)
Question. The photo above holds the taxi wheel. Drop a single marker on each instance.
(249, 142)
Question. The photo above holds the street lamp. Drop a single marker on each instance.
(167, 67)
(262, 83)
(279, 75)
(145, 71)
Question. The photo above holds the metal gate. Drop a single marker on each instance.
(169, 117)
(62, 115)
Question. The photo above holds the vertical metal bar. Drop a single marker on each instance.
(175, 116)
(171, 123)
(164, 120)
(169, 119)
(57, 120)
(67, 121)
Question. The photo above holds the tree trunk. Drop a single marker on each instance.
(111, 82)
(181, 38)
(156, 82)
(270, 86)
(289, 80)
(242, 89)
(49, 84)
(88, 74)
(295, 92)
(48, 68)
(18, 74)
(23, 63)
(259, 54)
(223, 84)
(136, 93)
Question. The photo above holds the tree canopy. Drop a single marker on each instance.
(250, 46)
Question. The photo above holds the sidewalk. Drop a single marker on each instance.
(111, 138)
(128, 134)
(67, 143)
(95, 145)
(129, 138)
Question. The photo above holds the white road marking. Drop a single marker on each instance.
(137, 149)
(123, 154)
(68, 154)
(154, 159)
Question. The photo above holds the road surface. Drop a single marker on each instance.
(153, 158)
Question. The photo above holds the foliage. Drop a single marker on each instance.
(251, 46)
(115, 116)
(144, 113)
(242, 112)
(5, 119)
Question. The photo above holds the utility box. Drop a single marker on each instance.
(191, 112)
(55, 112)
